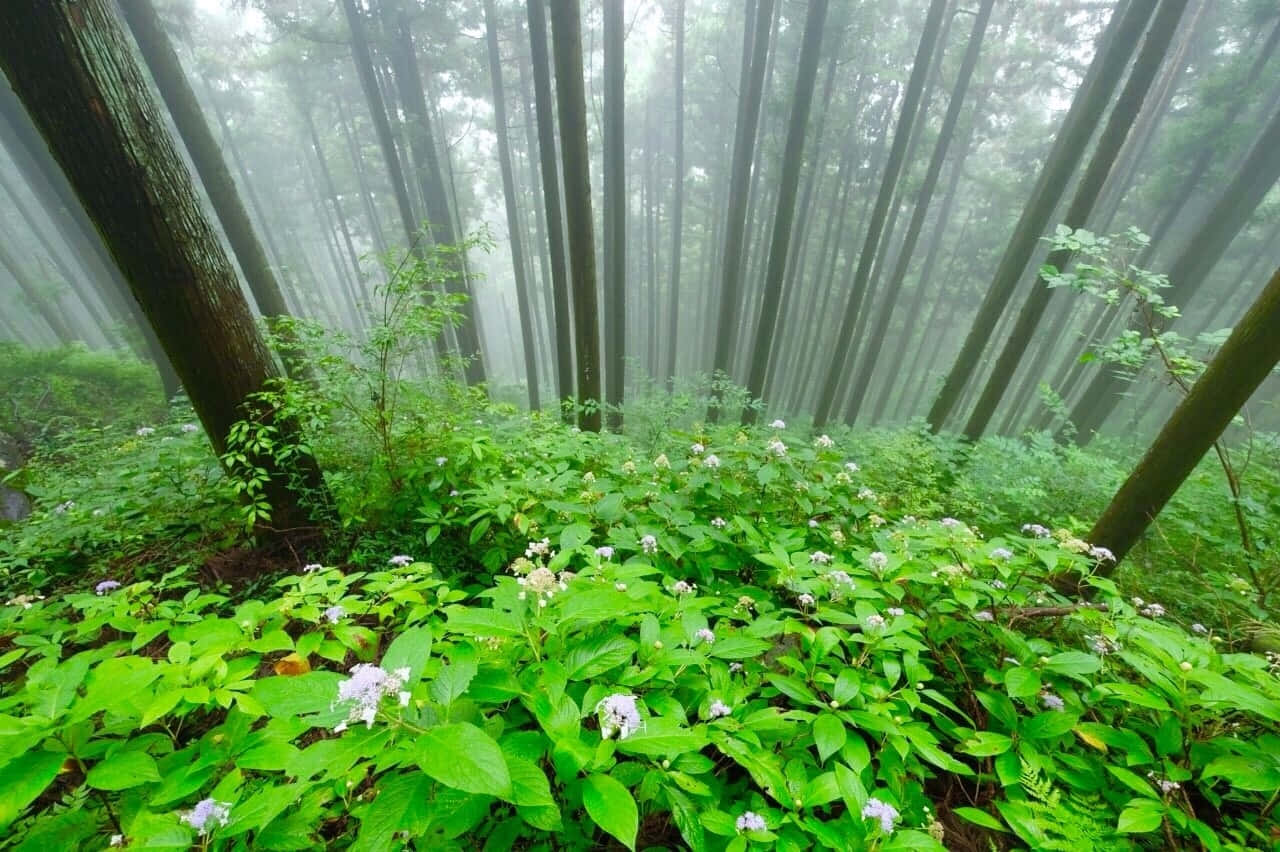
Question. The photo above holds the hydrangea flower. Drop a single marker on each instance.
(683, 587)
(542, 582)
(364, 691)
(441, 461)
(207, 815)
(539, 548)
(1051, 701)
(662, 462)
(106, 586)
(824, 442)
(806, 600)
(712, 461)
(874, 622)
(649, 544)
(851, 467)
(750, 820)
(401, 560)
(697, 449)
(819, 558)
(188, 428)
(719, 523)
(878, 561)
(1199, 628)
(896, 611)
(776, 447)
(1152, 610)
(629, 467)
(604, 552)
(1002, 554)
(1037, 530)
(144, 431)
(64, 507)
(951, 523)
(777, 424)
(1101, 554)
(705, 635)
(883, 811)
(1166, 786)
(735, 667)
(984, 615)
(311, 567)
(718, 709)
(618, 714)
(866, 494)
(334, 614)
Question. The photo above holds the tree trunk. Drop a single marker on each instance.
(1123, 114)
(73, 69)
(788, 188)
(888, 182)
(509, 195)
(566, 38)
(677, 204)
(1244, 361)
(614, 213)
(1116, 46)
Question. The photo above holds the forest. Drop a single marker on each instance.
(712, 425)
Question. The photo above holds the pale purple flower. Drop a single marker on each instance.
(401, 560)
(719, 523)
(1153, 610)
(717, 709)
(1199, 628)
(806, 600)
(1002, 553)
(883, 811)
(851, 467)
(951, 523)
(824, 442)
(750, 820)
(734, 668)
(878, 561)
(712, 461)
(819, 558)
(998, 584)
(705, 635)
(984, 615)
(649, 544)
(1101, 554)
(106, 586)
(441, 461)
(874, 622)
(311, 567)
(1051, 701)
(604, 552)
(697, 449)
(1036, 530)
(64, 507)
(188, 428)
(777, 424)
(365, 689)
(334, 614)
(683, 587)
(776, 447)
(207, 815)
(866, 494)
(144, 431)
(618, 714)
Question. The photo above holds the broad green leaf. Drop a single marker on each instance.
(596, 656)
(25, 778)
(123, 770)
(1141, 816)
(574, 535)
(409, 650)
(1022, 682)
(980, 817)
(314, 692)
(1073, 663)
(829, 735)
(612, 807)
(466, 758)
(986, 744)
(452, 682)
(398, 796)
(663, 737)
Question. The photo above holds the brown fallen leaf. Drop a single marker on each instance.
(292, 665)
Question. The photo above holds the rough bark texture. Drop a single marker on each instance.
(1068, 147)
(1244, 361)
(615, 213)
(70, 64)
(566, 37)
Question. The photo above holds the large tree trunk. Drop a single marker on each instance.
(888, 182)
(753, 62)
(677, 204)
(571, 101)
(544, 113)
(70, 64)
(788, 188)
(615, 213)
(1244, 361)
(509, 195)
(1116, 46)
(1123, 114)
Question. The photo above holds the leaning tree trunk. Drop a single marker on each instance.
(615, 214)
(1244, 361)
(70, 64)
(1123, 114)
(571, 100)
(888, 182)
(509, 195)
(788, 188)
(1116, 47)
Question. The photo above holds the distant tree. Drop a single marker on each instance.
(544, 113)
(1249, 355)
(752, 77)
(571, 101)
(835, 373)
(1116, 47)
(677, 204)
(615, 212)
(788, 187)
(1122, 117)
(509, 195)
(72, 67)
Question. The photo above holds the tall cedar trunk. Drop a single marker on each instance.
(677, 203)
(544, 113)
(732, 266)
(509, 195)
(1244, 361)
(893, 287)
(73, 69)
(198, 139)
(1123, 114)
(789, 184)
(888, 182)
(362, 178)
(1116, 46)
(615, 213)
(43, 303)
(1190, 269)
(571, 103)
(468, 336)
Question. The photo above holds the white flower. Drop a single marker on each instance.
(750, 820)
(1153, 610)
(604, 552)
(735, 667)
(777, 424)
(629, 467)
(896, 611)
(1051, 701)
(64, 507)
(712, 461)
(806, 600)
(542, 582)
(819, 558)
(851, 467)
(1101, 645)
(984, 615)
(622, 587)
(649, 544)
(588, 477)
(878, 561)
(453, 492)
(874, 622)
(1199, 628)
(813, 523)
(683, 587)
(117, 840)
(401, 560)
(697, 449)
(883, 811)
(824, 442)
(106, 586)
(618, 714)
(188, 428)
(441, 461)
(207, 815)
(1166, 786)
(719, 523)
(1036, 530)
(1002, 553)
(776, 447)
(311, 567)
(539, 548)
(143, 432)
(334, 614)
(718, 708)
(1101, 554)
(998, 584)
(662, 462)
(365, 689)
(866, 494)
(705, 635)
(951, 523)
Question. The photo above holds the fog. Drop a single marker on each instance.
(851, 226)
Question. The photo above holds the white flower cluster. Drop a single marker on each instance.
(604, 552)
(712, 461)
(819, 558)
(1101, 554)
(806, 600)
(1150, 610)
(618, 714)
(697, 449)
(334, 614)
(662, 462)
(1002, 554)
(704, 635)
(824, 442)
(874, 622)
(401, 561)
(718, 709)
(776, 447)
(1166, 786)
(311, 567)
(1036, 530)
(878, 561)
(649, 544)
(207, 815)
(366, 688)
(719, 523)
(777, 424)
(684, 587)
(1052, 702)
(750, 820)
(840, 583)
(543, 583)
(144, 431)
(951, 523)
(883, 811)
(188, 428)
(1100, 644)
(539, 548)
(106, 586)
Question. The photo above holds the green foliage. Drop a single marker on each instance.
(645, 646)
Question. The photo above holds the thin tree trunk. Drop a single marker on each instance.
(615, 214)
(677, 204)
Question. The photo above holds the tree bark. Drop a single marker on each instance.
(614, 213)
(677, 203)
